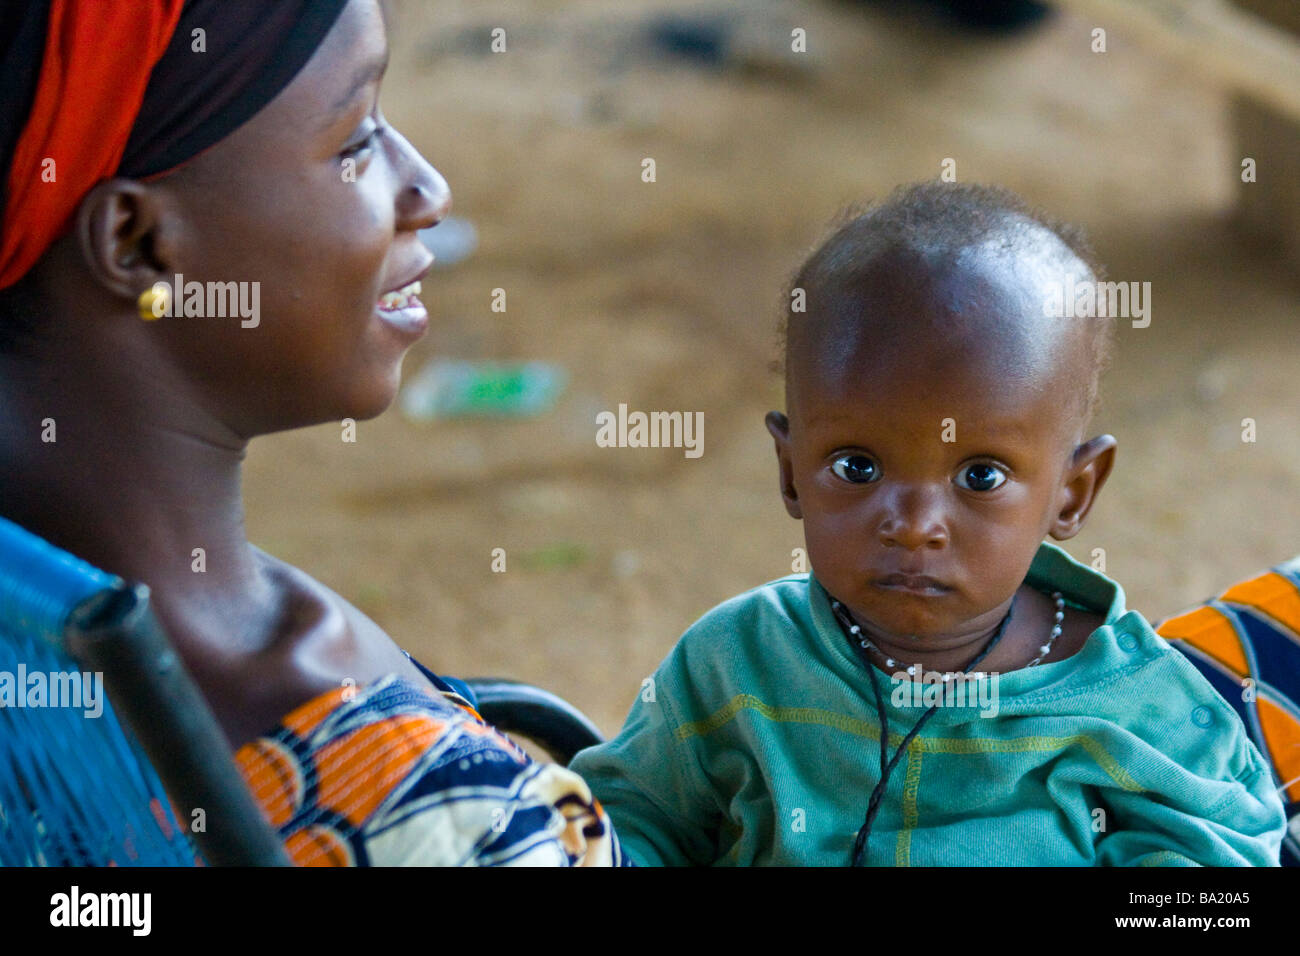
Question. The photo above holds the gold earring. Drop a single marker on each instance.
(155, 302)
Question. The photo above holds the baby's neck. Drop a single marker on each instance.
(1026, 633)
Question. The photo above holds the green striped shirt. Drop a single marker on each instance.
(757, 742)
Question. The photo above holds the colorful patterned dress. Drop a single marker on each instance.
(387, 775)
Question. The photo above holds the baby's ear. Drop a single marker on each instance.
(1088, 471)
(779, 426)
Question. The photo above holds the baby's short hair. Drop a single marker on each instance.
(945, 218)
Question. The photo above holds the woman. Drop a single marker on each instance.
(239, 144)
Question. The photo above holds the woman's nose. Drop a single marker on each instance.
(913, 522)
(425, 198)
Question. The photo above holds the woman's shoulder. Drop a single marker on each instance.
(319, 643)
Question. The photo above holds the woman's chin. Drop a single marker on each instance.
(375, 402)
(364, 400)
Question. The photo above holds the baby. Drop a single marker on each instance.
(945, 687)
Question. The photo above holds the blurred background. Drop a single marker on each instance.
(666, 296)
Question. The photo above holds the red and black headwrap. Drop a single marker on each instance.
(101, 88)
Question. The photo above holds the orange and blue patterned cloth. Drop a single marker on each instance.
(1246, 642)
(387, 775)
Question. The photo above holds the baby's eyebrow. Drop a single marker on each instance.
(1013, 430)
(1001, 439)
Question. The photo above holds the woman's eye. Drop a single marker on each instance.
(858, 469)
(365, 144)
(981, 477)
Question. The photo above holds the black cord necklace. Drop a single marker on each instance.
(887, 765)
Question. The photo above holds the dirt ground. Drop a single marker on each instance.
(665, 295)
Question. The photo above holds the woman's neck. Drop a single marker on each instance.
(128, 476)
(111, 450)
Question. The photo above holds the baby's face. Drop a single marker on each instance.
(929, 457)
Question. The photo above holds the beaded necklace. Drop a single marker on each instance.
(861, 645)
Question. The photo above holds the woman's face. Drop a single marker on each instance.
(318, 201)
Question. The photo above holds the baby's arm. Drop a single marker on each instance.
(1241, 830)
(1216, 806)
(650, 782)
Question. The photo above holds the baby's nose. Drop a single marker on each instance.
(914, 523)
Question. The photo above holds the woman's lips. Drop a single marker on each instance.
(912, 584)
(402, 310)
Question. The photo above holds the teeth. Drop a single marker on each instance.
(393, 300)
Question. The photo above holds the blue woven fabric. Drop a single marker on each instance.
(75, 790)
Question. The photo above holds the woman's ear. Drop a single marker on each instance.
(119, 234)
(779, 426)
(1088, 471)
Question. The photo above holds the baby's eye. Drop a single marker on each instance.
(858, 469)
(981, 477)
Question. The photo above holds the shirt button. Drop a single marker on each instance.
(1128, 642)
(1202, 717)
